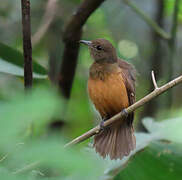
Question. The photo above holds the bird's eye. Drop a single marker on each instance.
(98, 47)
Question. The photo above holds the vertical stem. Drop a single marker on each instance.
(71, 37)
(172, 41)
(27, 46)
(172, 45)
(68, 65)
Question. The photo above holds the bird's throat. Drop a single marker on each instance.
(103, 70)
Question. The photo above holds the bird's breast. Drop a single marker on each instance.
(109, 95)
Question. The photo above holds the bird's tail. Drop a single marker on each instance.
(116, 141)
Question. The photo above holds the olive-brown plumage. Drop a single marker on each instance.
(111, 87)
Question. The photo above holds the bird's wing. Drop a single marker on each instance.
(129, 75)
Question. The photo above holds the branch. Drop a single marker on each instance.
(27, 46)
(27, 167)
(71, 36)
(148, 20)
(46, 21)
(130, 109)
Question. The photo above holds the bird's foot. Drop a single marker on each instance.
(124, 113)
(102, 124)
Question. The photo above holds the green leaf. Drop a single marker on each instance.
(159, 161)
(9, 68)
(169, 129)
(13, 56)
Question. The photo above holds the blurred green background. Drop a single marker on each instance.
(35, 125)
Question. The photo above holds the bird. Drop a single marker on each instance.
(111, 88)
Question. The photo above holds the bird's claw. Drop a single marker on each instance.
(102, 125)
(124, 113)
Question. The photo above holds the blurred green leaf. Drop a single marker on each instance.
(38, 107)
(5, 174)
(169, 129)
(14, 57)
(17, 114)
(50, 153)
(169, 7)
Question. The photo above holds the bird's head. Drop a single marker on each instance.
(101, 50)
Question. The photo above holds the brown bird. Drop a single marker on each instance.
(111, 88)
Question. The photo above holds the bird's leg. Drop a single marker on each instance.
(102, 123)
(124, 113)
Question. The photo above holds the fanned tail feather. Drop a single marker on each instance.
(116, 141)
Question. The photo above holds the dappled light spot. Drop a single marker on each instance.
(128, 49)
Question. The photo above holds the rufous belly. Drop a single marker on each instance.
(109, 95)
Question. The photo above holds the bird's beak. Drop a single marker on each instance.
(88, 43)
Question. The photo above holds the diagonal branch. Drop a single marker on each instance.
(148, 20)
(71, 36)
(47, 19)
(130, 109)
(27, 46)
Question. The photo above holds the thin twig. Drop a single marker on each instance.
(46, 21)
(71, 37)
(154, 80)
(27, 167)
(4, 157)
(27, 46)
(148, 20)
(130, 109)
